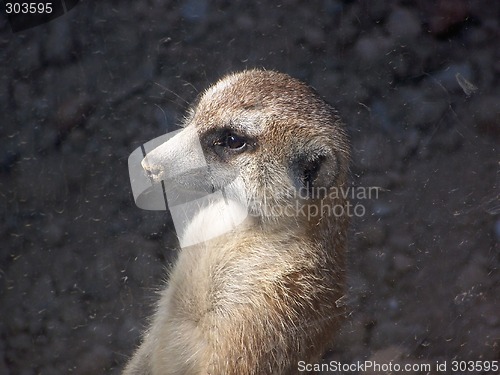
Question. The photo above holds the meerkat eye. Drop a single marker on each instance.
(231, 141)
(227, 143)
(234, 142)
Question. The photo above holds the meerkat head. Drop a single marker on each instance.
(269, 132)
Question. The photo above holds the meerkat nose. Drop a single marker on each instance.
(152, 169)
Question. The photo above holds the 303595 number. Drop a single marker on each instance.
(25, 14)
(474, 366)
(28, 8)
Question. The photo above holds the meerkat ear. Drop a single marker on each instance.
(314, 172)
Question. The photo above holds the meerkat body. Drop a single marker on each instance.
(264, 295)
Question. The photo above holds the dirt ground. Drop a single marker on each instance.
(417, 83)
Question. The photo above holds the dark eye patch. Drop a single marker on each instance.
(227, 142)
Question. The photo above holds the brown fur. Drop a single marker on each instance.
(265, 296)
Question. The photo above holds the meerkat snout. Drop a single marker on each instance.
(260, 296)
(175, 157)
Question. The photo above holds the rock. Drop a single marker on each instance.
(245, 22)
(194, 10)
(154, 224)
(94, 360)
(358, 290)
(315, 37)
(58, 46)
(380, 115)
(382, 208)
(448, 76)
(23, 94)
(409, 143)
(376, 10)
(424, 107)
(473, 276)
(73, 314)
(77, 141)
(356, 91)
(3, 366)
(402, 63)
(333, 7)
(447, 14)
(352, 334)
(394, 355)
(21, 342)
(53, 234)
(374, 235)
(347, 30)
(375, 264)
(489, 313)
(403, 263)
(42, 295)
(375, 184)
(403, 24)
(145, 268)
(485, 112)
(101, 278)
(374, 152)
(476, 36)
(390, 354)
(73, 112)
(27, 58)
(128, 333)
(445, 141)
(66, 268)
(372, 48)
(4, 88)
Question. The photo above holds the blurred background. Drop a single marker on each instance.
(417, 83)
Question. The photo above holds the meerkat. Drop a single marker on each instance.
(265, 294)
